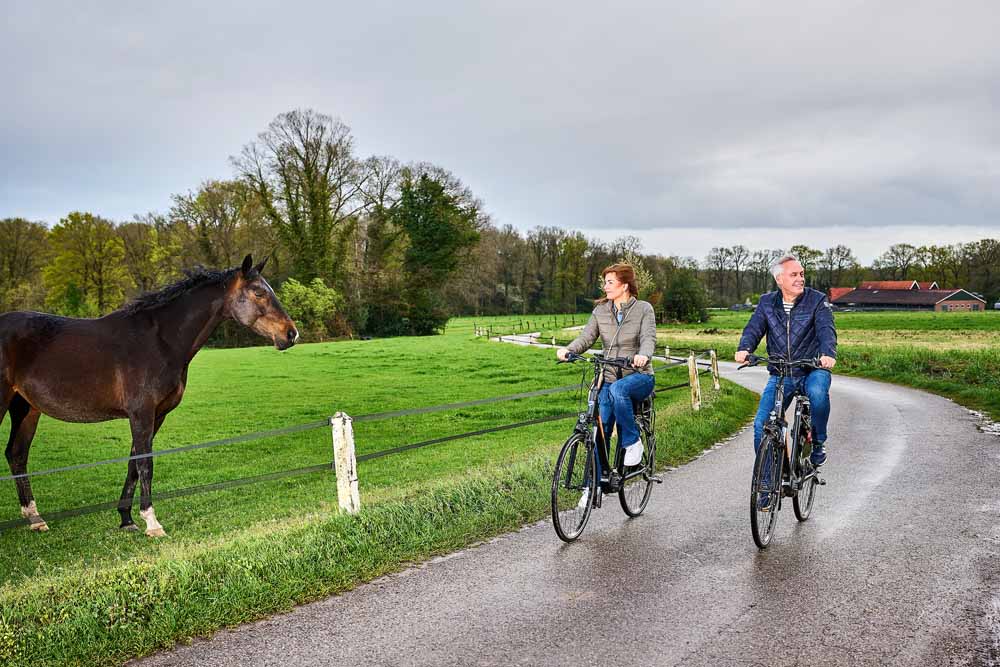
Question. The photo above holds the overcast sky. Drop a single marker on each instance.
(688, 124)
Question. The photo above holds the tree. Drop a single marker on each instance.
(738, 257)
(685, 298)
(833, 265)
(312, 306)
(895, 263)
(87, 275)
(24, 250)
(144, 259)
(303, 170)
(438, 229)
(644, 279)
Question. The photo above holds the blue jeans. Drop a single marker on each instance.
(815, 385)
(615, 401)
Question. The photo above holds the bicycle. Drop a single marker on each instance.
(782, 471)
(585, 457)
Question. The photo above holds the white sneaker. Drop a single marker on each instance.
(633, 454)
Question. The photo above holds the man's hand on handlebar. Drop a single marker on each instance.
(827, 362)
(741, 356)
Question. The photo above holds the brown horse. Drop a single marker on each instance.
(131, 364)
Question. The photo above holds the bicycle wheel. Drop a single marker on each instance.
(573, 488)
(765, 491)
(635, 492)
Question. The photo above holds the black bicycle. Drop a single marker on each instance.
(782, 467)
(583, 473)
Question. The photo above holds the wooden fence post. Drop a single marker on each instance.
(694, 381)
(715, 369)
(345, 464)
(666, 353)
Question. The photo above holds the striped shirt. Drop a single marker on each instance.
(788, 307)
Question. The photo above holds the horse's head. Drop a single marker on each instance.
(251, 302)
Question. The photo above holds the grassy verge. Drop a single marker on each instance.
(87, 594)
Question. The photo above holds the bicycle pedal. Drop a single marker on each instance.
(820, 481)
(657, 479)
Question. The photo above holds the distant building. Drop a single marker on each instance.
(905, 295)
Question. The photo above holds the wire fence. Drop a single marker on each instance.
(309, 426)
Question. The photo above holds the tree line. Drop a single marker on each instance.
(372, 246)
(735, 273)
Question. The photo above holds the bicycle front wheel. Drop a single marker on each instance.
(635, 491)
(803, 500)
(573, 488)
(765, 491)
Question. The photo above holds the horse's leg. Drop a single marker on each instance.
(23, 422)
(128, 491)
(144, 426)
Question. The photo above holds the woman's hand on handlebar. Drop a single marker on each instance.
(562, 354)
(639, 360)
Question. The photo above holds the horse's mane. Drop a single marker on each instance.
(194, 278)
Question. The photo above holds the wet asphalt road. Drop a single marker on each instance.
(899, 565)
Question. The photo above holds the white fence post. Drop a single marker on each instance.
(715, 369)
(694, 381)
(344, 462)
(666, 353)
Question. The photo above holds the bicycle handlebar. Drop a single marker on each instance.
(619, 362)
(753, 360)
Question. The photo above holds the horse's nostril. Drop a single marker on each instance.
(293, 335)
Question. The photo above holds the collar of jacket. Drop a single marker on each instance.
(625, 306)
(778, 304)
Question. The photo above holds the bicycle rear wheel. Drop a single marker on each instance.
(573, 488)
(635, 492)
(765, 491)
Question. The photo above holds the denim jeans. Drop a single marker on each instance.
(815, 385)
(615, 401)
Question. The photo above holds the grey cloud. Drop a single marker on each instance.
(639, 116)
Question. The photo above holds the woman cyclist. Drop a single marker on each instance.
(627, 328)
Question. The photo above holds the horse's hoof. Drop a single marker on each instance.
(155, 532)
(130, 527)
(40, 527)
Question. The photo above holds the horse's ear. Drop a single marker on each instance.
(247, 266)
(260, 267)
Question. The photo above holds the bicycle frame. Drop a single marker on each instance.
(589, 424)
(777, 425)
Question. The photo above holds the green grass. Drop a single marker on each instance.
(86, 593)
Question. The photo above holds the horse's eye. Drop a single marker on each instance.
(259, 292)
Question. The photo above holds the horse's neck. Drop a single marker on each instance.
(194, 319)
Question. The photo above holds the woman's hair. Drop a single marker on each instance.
(625, 274)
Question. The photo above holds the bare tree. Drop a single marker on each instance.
(304, 171)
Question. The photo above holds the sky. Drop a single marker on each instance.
(687, 124)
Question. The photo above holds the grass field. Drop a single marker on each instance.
(87, 593)
(953, 354)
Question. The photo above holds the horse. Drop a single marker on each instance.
(130, 364)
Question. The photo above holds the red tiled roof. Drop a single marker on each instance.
(837, 292)
(889, 284)
(898, 296)
(931, 285)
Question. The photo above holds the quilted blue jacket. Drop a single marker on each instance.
(806, 333)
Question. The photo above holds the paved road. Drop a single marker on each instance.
(900, 565)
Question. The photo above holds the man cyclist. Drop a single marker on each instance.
(798, 323)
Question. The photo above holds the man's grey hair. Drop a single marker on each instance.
(778, 265)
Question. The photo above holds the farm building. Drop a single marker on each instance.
(905, 295)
